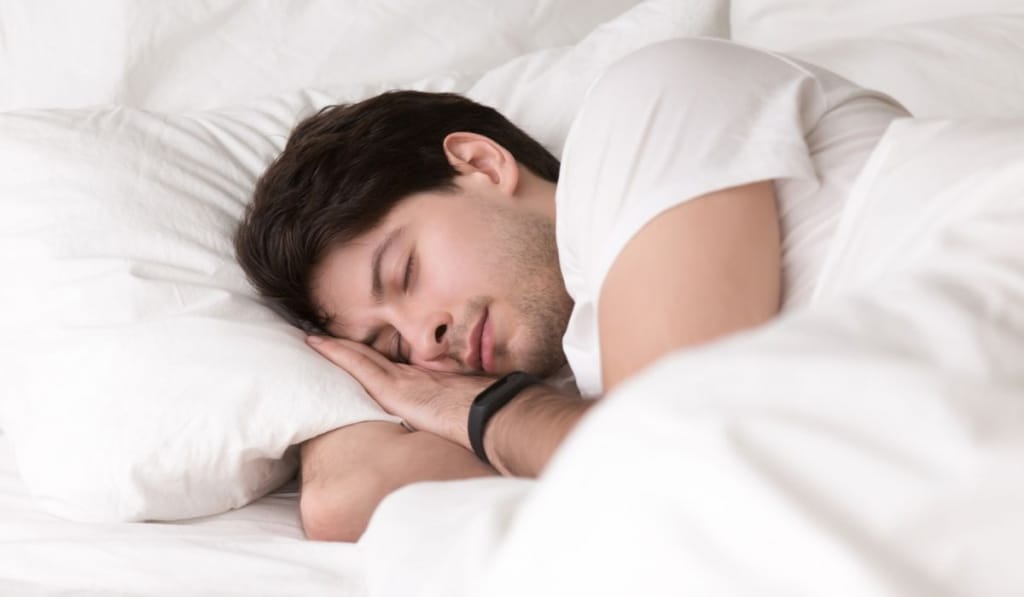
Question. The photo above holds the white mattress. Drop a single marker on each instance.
(256, 550)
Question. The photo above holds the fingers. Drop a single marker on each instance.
(358, 359)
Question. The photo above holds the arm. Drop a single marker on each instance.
(701, 270)
(348, 471)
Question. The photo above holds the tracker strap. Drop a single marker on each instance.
(490, 401)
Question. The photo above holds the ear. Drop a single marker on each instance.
(482, 159)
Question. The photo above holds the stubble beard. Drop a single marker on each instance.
(529, 271)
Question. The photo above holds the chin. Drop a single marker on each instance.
(542, 366)
(532, 358)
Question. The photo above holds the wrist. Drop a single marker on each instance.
(522, 436)
(459, 414)
(491, 401)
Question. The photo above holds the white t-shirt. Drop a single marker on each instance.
(683, 118)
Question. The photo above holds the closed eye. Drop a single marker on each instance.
(408, 271)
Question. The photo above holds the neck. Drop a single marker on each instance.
(538, 194)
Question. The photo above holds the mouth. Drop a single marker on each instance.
(476, 359)
(487, 344)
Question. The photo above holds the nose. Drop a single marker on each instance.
(428, 340)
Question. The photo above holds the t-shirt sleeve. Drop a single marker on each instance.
(670, 123)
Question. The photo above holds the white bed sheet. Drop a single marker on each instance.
(255, 550)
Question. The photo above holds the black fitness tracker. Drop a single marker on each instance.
(490, 401)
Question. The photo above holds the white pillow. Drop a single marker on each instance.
(174, 56)
(939, 58)
(147, 381)
(963, 67)
(542, 91)
(791, 24)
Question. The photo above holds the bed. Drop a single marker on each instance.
(150, 406)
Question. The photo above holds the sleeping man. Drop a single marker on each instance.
(453, 266)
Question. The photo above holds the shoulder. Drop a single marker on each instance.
(699, 62)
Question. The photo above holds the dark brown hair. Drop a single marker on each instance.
(340, 173)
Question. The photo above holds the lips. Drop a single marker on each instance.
(487, 343)
(475, 358)
(472, 358)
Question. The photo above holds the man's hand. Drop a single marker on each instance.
(426, 400)
(521, 437)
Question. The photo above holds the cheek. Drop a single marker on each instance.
(458, 267)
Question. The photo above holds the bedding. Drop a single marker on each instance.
(787, 25)
(122, 122)
(171, 56)
(984, 53)
(939, 58)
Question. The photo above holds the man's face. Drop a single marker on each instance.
(461, 282)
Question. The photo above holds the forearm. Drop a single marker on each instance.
(428, 457)
(522, 436)
(347, 474)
